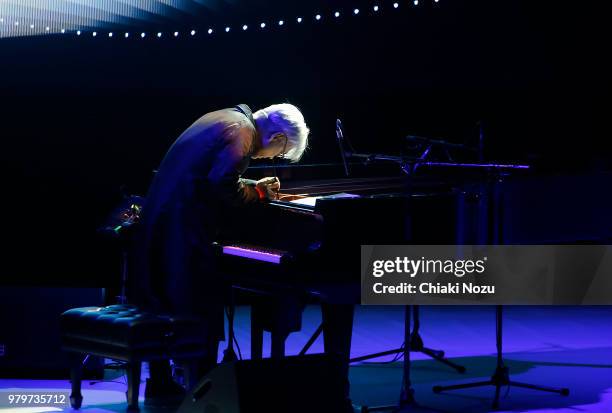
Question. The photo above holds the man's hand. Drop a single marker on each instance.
(269, 187)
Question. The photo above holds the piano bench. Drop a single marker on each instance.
(126, 333)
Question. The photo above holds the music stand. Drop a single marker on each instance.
(119, 227)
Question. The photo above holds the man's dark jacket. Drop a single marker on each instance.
(198, 180)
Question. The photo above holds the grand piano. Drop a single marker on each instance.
(305, 246)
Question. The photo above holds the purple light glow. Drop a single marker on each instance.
(252, 254)
(475, 165)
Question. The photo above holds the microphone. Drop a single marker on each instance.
(340, 137)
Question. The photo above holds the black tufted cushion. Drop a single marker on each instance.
(126, 326)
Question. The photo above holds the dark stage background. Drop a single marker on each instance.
(82, 117)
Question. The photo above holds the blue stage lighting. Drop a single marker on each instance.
(227, 29)
(110, 34)
(104, 15)
(78, 32)
(416, 2)
(63, 31)
(193, 32)
(143, 34)
(159, 34)
(94, 34)
(126, 35)
(210, 31)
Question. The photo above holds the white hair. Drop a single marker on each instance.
(290, 121)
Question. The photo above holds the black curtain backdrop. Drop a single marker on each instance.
(82, 116)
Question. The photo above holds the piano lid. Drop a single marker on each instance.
(369, 179)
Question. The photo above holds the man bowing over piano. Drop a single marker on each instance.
(198, 181)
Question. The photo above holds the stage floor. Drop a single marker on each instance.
(554, 346)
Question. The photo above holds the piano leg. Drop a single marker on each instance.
(337, 334)
(280, 315)
(256, 335)
(278, 344)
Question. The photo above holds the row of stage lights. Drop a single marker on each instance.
(263, 25)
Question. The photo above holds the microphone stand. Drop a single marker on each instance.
(340, 138)
(501, 376)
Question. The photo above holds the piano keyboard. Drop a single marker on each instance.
(255, 253)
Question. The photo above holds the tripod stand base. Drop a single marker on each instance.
(501, 378)
(412, 343)
(416, 345)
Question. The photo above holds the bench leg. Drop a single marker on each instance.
(133, 377)
(76, 373)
